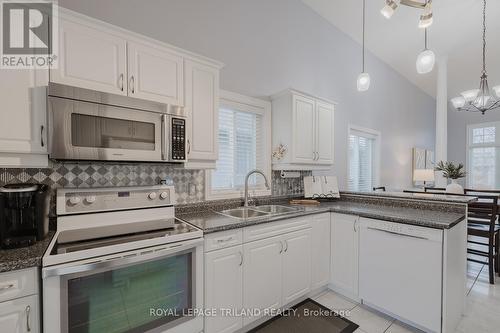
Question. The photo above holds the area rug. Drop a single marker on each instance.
(307, 317)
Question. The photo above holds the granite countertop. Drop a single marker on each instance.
(459, 199)
(210, 221)
(24, 257)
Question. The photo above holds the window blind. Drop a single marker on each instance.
(361, 162)
(240, 149)
(484, 156)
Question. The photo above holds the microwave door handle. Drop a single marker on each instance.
(164, 136)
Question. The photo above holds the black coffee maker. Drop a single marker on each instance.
(24, 214)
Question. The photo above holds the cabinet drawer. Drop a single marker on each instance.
(223, 239)
(266, 230)
(19, 283)
(20, 315)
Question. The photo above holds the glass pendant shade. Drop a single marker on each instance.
(458, 102)
(470, 95)
(425, 61)
(363, 81)
(426, 17)
(497, 91)
(389, 8)
(482, 101)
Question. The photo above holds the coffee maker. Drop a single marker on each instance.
(24, 214)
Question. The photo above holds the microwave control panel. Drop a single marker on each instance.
(178, 139)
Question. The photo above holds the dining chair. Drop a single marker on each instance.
(482, 218)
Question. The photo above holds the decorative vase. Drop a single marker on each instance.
(454, 187)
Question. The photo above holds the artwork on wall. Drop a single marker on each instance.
(423, 159)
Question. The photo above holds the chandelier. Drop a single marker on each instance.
(479, 100)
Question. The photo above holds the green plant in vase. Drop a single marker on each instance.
(453, 172)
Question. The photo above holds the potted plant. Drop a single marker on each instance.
(453, 172)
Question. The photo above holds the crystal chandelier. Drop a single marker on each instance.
(479, 100)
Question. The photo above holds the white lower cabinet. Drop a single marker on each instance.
(320, 250)
(20, 315)
(344, 254)
(224, 288)
(262, 275)
(296, 265)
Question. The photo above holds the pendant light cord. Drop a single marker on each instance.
(484, 36)
(425, 38)
(363, 36)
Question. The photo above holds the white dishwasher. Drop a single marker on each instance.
(400, 271)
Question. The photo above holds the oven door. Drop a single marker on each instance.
(81, 130)
(150, 290)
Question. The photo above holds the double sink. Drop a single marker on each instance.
(245, 213)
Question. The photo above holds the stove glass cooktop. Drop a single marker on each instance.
(179, 227)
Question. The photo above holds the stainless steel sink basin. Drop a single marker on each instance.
(276, 209)
(243, 213)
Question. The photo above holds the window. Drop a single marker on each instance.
(244, 145)
(483, 156)
(363, 157)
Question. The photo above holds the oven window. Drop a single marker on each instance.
(123, 300)
(103, 132)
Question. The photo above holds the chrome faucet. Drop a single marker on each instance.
(246, 184)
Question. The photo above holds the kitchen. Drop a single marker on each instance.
(137, 150)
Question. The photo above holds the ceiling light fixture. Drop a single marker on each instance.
(364, 78)
(426, 5)
(426, 59)
(479, 100)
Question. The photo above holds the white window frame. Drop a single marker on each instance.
(470, 145)
(376, 159)
(254, 105)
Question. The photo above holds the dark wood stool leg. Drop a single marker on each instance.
(497, 256)
(491, 268)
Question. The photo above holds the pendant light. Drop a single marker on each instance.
(426, 59)
(364, 78)
(479, 100)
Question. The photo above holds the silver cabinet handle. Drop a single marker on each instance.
(132, 84)
(241, 258)
(317, 156)
(286, 246)
(28, 311)
(225, 239)
(42, 143)
(6, 287)
(189, 146)
(121, 81)
(281, 250)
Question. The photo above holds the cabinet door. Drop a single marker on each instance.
(304, 136)
(155, 74)
(324, 133)
(344, 253)
(90, 58)
(202, 104)
(20, 315)
(320, 250)
(23, 118)
(296, 265)
(262, 273)
(224, 288)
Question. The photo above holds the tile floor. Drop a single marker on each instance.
(482, 308)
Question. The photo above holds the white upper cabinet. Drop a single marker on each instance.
(91, 58)
(155, 74)
(304, 125)
(202, 105)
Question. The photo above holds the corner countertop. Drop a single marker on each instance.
(211, 221)
(24, 257)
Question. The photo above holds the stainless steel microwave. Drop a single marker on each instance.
(91, 125)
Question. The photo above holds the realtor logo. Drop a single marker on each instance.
(28, 34)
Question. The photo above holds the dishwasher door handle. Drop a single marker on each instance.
(397, 233)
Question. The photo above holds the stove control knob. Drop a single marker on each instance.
(152, 195)
(90, 199)
(163, 195)
(74, 200)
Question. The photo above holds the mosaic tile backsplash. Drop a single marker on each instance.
(189, 184)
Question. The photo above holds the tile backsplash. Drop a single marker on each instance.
(189, 184)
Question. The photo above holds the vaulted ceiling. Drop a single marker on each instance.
(455, 33)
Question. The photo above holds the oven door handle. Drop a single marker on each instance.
(122, 259)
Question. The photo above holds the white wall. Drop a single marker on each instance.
(269, 45)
